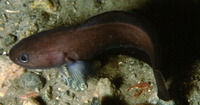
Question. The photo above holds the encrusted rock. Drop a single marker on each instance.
(8, 71)
(193, 85)
(32, 81)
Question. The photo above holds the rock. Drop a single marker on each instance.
(31, 101)
(32, 81)
(9, 40)
(44, 5)
(104, 87)
(95, 101)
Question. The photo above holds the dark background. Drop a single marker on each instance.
(178, 25)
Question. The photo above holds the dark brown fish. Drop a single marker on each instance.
(75, 45)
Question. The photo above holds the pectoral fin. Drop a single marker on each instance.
(78, 70)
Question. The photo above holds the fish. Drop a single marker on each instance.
(76, 46)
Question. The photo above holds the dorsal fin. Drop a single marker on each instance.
(118, 17)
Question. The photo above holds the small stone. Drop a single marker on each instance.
(32, 81)
(58, 98)
(45, 5)
(8, 40)
(95, 101)
(73, 95)
(1, 29)
(37, 90)
(120, 63)
(68, 92)
(29, 95)
(31, 101)
(104, 87)
(48, 94)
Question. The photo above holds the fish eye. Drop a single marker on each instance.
(24, 58)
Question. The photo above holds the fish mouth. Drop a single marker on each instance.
(12, 55)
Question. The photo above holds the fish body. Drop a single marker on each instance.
(75, 45)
